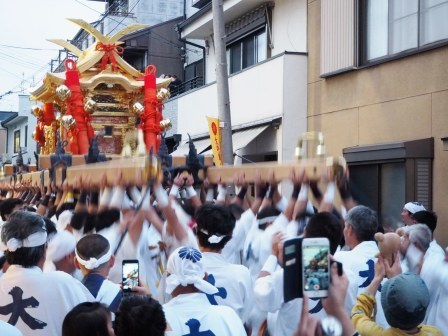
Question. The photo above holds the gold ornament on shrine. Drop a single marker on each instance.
(138, 108)
(37, 111)
(63, 92)
(90, 106)
(68, 122)
(166, 125)
(163, 95)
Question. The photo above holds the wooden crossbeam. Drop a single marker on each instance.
(133, 170)
(36, 178)
(314, 170)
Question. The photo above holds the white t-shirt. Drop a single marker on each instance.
(193, 314)
(40, 299)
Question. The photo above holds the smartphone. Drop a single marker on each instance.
(315, 267)
(130, 274)
(292, 269)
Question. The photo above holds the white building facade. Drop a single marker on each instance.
(267, 62)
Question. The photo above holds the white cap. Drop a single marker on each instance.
(414, 207)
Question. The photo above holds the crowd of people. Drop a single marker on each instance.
(210, 264)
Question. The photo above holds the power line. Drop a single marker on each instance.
(125, 16)
(18, 61)
(26, 48)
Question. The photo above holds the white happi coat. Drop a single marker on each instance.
(233, 282)
(192, 314)
(149, 262)
(8, 330)
(234, 247)
(360, 265)
(41, 299)
(284, 317)
(434, 273)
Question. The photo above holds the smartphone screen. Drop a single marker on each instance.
(315, 261)
(130, 274)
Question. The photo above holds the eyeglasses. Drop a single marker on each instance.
(417, 203)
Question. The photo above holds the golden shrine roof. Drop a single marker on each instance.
(90, 71)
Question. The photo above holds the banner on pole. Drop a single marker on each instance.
(215, 138)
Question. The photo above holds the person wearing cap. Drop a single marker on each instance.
(409, 209)
(94, 258)
(214, 229)
(189, 312)
(404, 298)
(33, 301)
(361, 224)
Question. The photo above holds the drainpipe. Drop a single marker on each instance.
(192, 44)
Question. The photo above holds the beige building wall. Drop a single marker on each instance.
(405, 99)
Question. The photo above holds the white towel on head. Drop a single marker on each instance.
(185, 268)
(63, 243)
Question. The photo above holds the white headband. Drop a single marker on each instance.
(93, 263)
(33, 240)
(266, 220)
(213, 239)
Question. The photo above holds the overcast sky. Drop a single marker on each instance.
(27, 24)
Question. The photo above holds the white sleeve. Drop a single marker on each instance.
(280, 223)
(268, 291)
(239, 234)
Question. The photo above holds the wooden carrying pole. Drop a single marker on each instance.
(314, 170)
(135, 170)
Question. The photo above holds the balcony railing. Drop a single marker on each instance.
(191, 84)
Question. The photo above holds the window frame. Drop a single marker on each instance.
(363, 62)
(411, 153)
(15, 139)
(254, 34)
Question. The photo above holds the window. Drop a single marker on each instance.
(16, 141)
(108, 131)
(385, 177)
(247, 51)
(380, 186)
(26, 135)
(395, 26)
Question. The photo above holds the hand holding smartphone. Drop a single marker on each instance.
(130, 274)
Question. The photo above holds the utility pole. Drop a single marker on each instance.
(222, 82)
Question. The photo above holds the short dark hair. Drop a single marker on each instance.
(236, 210)
(426, 217)
(140, 315)
(92, 246)
(22, 224)
(7, 205)
(83, 220)
(364, 222)
(212, 220)
(86, 319)
(106, 218)
(326, 225)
